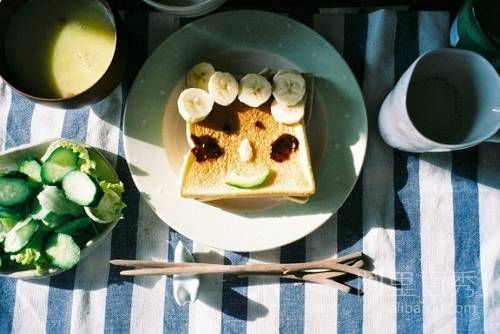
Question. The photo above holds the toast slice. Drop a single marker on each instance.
(292, 178)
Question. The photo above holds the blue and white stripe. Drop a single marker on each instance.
(468, 281)
(489, 213)
(379, 312)
(431, 220)
(45, 123)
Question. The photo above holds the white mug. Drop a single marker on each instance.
(448, 99)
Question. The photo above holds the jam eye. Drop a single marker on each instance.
(283, 147)
(206, 148)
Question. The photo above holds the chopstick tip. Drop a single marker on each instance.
(126, 273)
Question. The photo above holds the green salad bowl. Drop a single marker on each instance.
(104, 170)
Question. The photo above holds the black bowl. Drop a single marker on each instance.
(102, 88)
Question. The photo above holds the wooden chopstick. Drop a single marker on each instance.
(154, 264)
(349, 257)
(270, 268)
(324, 278)
(328, 282)
(164, 264)
(320, 274)
(332, 265)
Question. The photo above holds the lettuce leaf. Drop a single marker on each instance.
(52, 199)
(87, 165)
(117, 188)
(111, 204)
(32, 254)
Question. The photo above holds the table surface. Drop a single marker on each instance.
(429, 220)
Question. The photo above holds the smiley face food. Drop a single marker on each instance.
(247, 136)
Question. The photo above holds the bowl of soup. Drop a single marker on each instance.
(60, 53)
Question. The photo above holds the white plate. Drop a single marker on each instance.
(242, 42)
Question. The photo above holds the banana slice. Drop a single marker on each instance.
(255, 90)
(287, 114)
(223, 88)
(199, 75)
(288, 87)
(194, 104)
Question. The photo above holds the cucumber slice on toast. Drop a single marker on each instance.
(247, 181)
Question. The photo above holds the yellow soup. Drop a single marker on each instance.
(59, 48)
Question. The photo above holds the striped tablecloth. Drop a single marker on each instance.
(430, 220)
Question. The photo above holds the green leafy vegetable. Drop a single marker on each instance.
(32, 255)
(20, 235)
(117, 188)
(52, 199)
(111, 204)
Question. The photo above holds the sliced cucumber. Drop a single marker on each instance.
(13, 191)
(15, 174)
(60, 162)
(81, 189)
(62, 251)
(247, 181)
(52, 199)
(53, 220)
(17, 212)
(36, 211)
(50, 220)
(20, 235)
(75, 226)
(6, 169)
(32, 168)
(6, 224)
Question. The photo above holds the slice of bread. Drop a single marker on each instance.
(229, 125)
